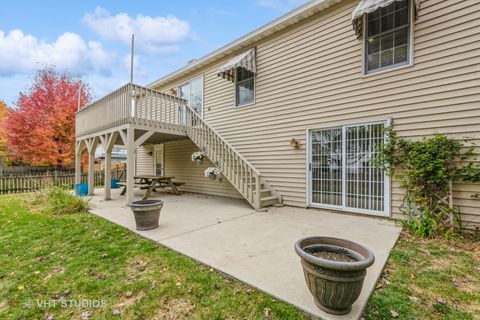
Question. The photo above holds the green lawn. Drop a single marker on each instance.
(85, 267)
(429, 279)
(83, 259)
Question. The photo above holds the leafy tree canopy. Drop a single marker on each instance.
(41, 129)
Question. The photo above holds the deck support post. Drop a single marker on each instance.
(91, 147)
(130, 144)
(108, 142)
(107, 194)
(79, 147)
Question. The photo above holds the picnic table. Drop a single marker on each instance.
(152, 182)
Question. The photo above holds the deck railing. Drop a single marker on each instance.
(241, 174)
(131, 104)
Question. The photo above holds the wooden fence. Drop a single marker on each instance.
(26, 170)
(20, 183)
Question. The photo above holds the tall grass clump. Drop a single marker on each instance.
(61, 201)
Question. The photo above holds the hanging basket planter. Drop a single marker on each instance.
(198, 157)
(211, 176)
(212, 173)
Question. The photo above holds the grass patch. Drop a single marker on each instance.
(84, 267)
(429, 279)
(58, 201)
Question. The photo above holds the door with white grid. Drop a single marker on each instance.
(340, 171)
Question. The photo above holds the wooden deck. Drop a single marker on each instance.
(132, 105)
(135, 115)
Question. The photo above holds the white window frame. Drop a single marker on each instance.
(410, 62)
(189, 83)
(235, 92)
(387, 183)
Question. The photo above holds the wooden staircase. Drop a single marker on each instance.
(234, 167)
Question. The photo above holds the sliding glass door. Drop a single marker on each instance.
(340, 173)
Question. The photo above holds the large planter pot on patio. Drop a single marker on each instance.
(334, 270)
(147, 213)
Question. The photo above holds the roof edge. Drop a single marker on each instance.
(274, 26)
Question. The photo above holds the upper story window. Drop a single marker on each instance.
(192, 91)
(244, 86)
(387, 37)
(241, 70)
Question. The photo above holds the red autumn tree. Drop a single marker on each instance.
(3, 136)
(41, 129)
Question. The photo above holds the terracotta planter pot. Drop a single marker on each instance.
(199, 161)
(335, 285)
(146, 213)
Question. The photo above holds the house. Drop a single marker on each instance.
(119, 156)
(291, 111)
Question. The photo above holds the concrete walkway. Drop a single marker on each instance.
(256, 247)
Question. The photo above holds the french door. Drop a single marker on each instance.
(159, 160)
(340, 174)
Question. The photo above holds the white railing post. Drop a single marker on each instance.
(257, 195)
(132, 106)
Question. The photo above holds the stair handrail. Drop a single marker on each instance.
(221, 138)
(192, 121)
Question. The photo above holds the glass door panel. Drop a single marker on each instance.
(327, 166)
(364, 183)
(159, 160)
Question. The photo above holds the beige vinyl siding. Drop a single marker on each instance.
(178, 163)
(310, 76)
(143, 161)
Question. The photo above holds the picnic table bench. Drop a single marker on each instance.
(152, 182)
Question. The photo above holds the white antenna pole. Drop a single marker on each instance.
(131, 58)
(132, 109)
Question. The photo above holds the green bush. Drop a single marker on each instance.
(426, 169)
(61, 201)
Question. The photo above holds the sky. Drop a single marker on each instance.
(91, 39)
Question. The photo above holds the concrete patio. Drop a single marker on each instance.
(256, 247)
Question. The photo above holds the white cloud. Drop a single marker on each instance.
(280, 5)
(21, 53)
(152, 34)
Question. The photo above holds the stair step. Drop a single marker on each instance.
(242, 178)
(265, 193)
(268, 201)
